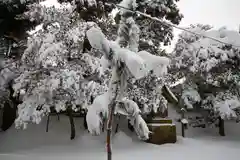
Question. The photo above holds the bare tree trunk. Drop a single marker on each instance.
(48, 119)
(85, 121)
(69, 111)
(109, 129)
(58, 117)
(221, 126)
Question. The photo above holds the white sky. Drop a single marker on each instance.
(217, 13)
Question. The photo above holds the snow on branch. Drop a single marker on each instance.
(131, 109)
(129, 4)
(97, 112)
(211, 64)
(225, 104)
(116, 54)
(139, 64)
(190, 97)
(203, 54)
(98, 41)
(70, 83)
(157, 64)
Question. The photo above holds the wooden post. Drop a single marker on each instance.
(182, 124)
(111, 112)
(221, 126)
(109, 129)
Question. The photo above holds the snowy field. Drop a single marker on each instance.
(35, 144)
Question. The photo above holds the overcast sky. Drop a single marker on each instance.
(214, 12)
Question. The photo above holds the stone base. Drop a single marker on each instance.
(163, 132)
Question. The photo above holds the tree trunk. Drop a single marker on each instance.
(48, 119)
(9, 110)
(85, 121)
(69, 111)
(109, 129)
(58, 117)
(221, 126)
(8, 116)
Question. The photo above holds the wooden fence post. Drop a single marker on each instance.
(183, 121)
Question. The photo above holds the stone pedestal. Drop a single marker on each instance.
(164, 131)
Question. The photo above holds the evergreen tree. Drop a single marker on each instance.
(129, 68)
(211, 71)
(12, 44)
(153, 34)
(55, 73)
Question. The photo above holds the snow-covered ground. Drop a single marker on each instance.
(35, 144)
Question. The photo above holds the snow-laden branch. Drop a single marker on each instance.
(97, 112)
(131, 110)
(139, 64)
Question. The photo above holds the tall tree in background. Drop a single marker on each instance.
(55, 73)
(153, 33)
(13, 35)
(9, 12)
(211, 69)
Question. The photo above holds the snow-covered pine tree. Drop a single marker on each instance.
(211, 69)
(12, 43)
(153, 34)
(54, 72)
(12, 36)
(129, 66)
(9, 11)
